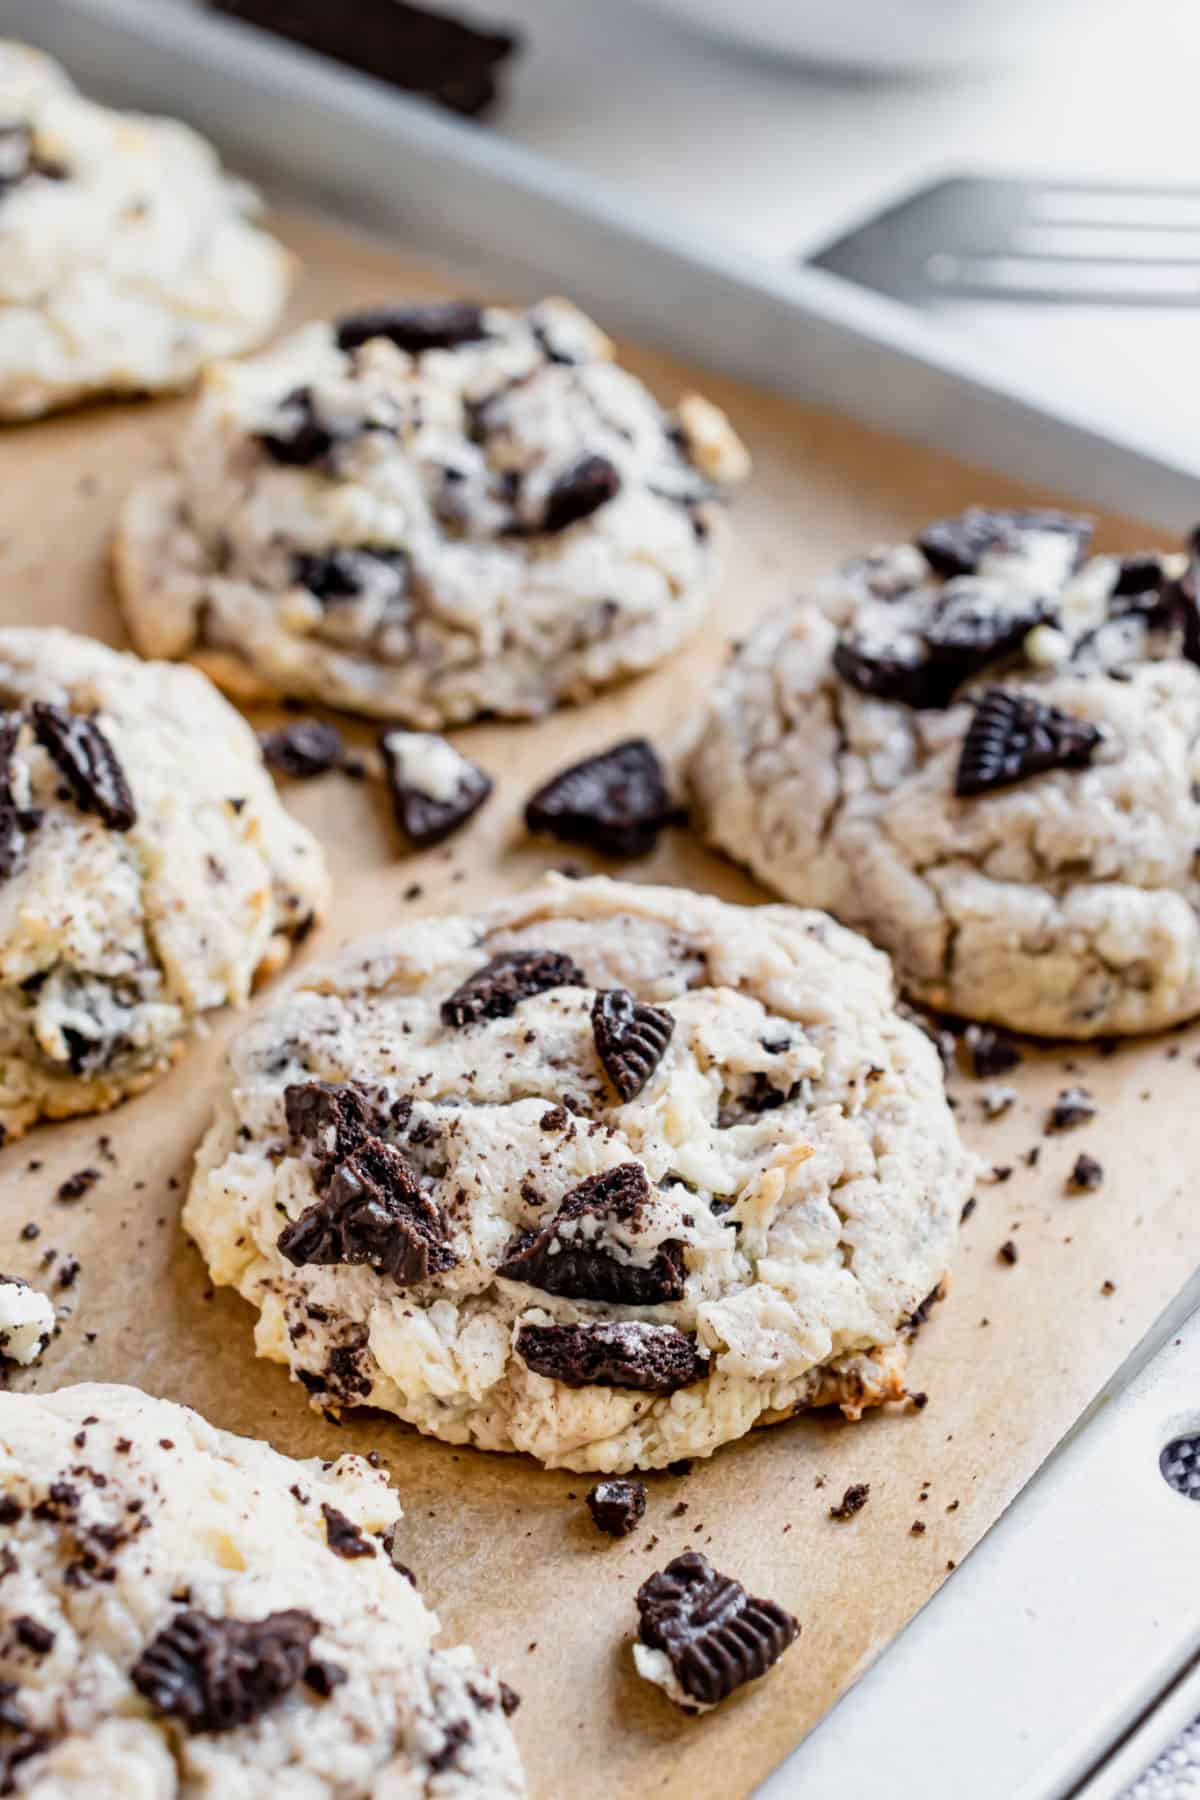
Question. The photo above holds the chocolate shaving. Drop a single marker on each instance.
(216, 1674)
(81, 751)
(496, 990)
(616, 802)
(567, 1257)
(655, 1359)
(631, 1039)
(715, 1635)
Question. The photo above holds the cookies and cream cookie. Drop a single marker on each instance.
(185, 1612)
(148, 872)
(427, 513)
(127, 257)
(983, 750)
(609, 1174)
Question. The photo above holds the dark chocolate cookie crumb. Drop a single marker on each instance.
(1007, 1252)
(1074, 1106)
(76, 1186)
(631, 1039)
(917, 1528)
(300, 436)
(1087, 1175)
(422, 818)
(343, 1536)
(567, 1256)
(496, 990)
(852, 1501)
(654, 1359)
(33, 1635)
(715, 1635)
(333, 1119)
(586, 486)
(989, 1052)
(376, 1213)
(616, 801)
(1012, 737)
(306, 748)
(617, 1506)
(216, 1674)
(80, 749)
(417, 326)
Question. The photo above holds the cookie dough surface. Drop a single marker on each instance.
(496, 522)
(1044, 876)
(148, 872)
(127, 258)
(187, 1613)
(469, 1226)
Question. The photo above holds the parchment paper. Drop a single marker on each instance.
(504, 1551)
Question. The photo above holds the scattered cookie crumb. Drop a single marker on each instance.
(1007, 1252)
(1108, 1287)
(917, 1528)
(617, 1506)
(1074, 1106)
(1087, 1174)
(78, 1184)
(989, 1052)
(995, 1101)
(852, 1501)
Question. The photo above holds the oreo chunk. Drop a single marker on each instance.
(1013, 737)
(616, 801)
(306, 748)
(432, 325)
(80, 749)
(903, 671)
(957, 546)
(343, 1536)
(425, 818)
(415, 49)
(965, 633)
(714, 1634)
(582, 490)
(336, 575)
(374, 1213)
(654, 1359)
(334, 1120)
(496, 990)
(617, 1506)
(216, 1674)
(631, 1039)
(566, 1256)
(301, 436)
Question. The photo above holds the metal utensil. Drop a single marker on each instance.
(983, 237)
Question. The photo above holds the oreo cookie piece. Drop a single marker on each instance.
(303, 749)
(375, 1213)
(968, 630)
(701, 1635)
(582, 490)
(216, 1674)
(337, 575)
(568, 1256)
(415, 48)
(957, 546)
(1012, 737)
(654, 1359)
(416, 327)
(434, 788)
(616, 801)
(332, 1119)
(80, 749)
(617, 1506)
(902, 671)
(631, 1039)
(496, 990)
(300, 436)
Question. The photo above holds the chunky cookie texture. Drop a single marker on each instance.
(174, 1621)
(542, 1259)
(430, 512)
(127, 258)
(984, 752)
(148, 872)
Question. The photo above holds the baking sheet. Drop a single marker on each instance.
(503, 1550)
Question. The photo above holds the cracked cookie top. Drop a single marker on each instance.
(148, 872)
(608, 1173)
(127, 258)
(430, 512)
(981, 749)
(183, 1609)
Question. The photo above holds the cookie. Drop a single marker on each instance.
(185, 1611)
(608, 1174)
(427, 513)
(26, 1321)
(701, 1636)
(982, 750)
(148, 872)
(127, 257)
